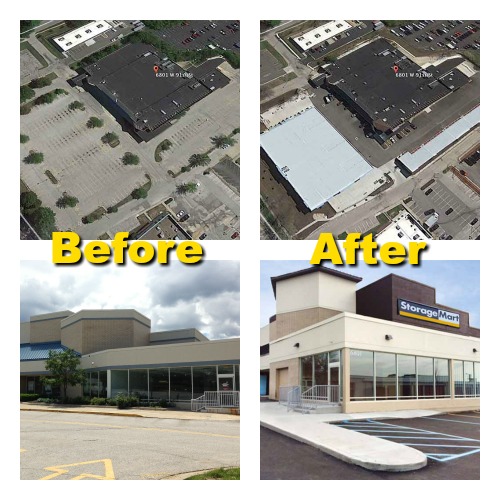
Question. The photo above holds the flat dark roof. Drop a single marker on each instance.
(314, 269)
(127, 77)
(366, 77)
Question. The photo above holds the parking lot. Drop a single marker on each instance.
(440, 35)
(284, 458)
(455, 216)
(192, 35)
(62, 446)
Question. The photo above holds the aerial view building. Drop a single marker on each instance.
(146, 90)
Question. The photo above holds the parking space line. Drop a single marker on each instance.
(451, 420)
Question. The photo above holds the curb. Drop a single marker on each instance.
(113, 414)
(377, 466)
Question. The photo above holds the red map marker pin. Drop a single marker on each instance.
(395, 68)
(156, 68)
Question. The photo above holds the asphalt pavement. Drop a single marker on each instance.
(57, 446)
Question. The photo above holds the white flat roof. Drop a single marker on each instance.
(413, 161)
(401, 229)
(81, 34)
(313, 157)
(318, 35)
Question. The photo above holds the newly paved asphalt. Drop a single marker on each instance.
(58, 446)
(285, 458)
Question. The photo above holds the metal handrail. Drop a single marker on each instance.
(321, 395)
(216, 399)
(284, 391)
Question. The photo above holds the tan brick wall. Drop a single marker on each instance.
(71, 336)
(99, 335)
(45, 331)
(141, 334)
(287, 323)
(293, 367)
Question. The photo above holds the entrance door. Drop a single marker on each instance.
(334, 379)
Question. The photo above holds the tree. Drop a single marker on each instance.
(130, 159)
(45, 98)
(236, 131)
(95, 122)
(38, 83)
(24, 138)
(26, 93)
(44, 220)
(109, 137)
(220, 141)
(76, 105)
(272, 24)
(197, 160)
(67, 201)
(187, 187)
(29, 202)
(33, 157)
(139, 193)
(27, 25)
(64, 369)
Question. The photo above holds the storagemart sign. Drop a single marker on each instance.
(428, 313)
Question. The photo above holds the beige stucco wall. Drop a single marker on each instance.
(264, 335)
(362, 332)
(293, 367)
(192, 352)
(315, 290)
(457, 404)
(33, 367)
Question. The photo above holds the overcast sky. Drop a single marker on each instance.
(204, 296)
(456, 281)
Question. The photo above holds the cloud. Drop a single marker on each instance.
(205, 296)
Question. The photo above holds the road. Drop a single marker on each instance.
(57, 446)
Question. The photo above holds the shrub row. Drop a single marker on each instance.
(29, 397)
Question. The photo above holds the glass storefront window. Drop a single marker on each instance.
(469, 382)
(204, 379)
(237, 377)
(86, 385)
(138, 381)
(119, 382)
(361, 383)
(385, 375)
(307, 372)
(334, 357)
(226, 369)
(407, 377)
(158, 384)
(103, 384)
(442, 378)
(181, 384)
(425, 375)
(458, 375)
(476, 374)
(321, 369)
(94, 384)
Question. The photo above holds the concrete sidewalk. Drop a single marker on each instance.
(129, 412)
(353, 447)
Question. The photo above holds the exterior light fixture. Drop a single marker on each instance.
(474, 350)
(296, 345)
(388, 337)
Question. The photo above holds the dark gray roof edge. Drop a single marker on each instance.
(314, 269)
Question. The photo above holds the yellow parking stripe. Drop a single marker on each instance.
(209, 434)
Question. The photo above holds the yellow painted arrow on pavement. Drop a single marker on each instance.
(59, 470)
